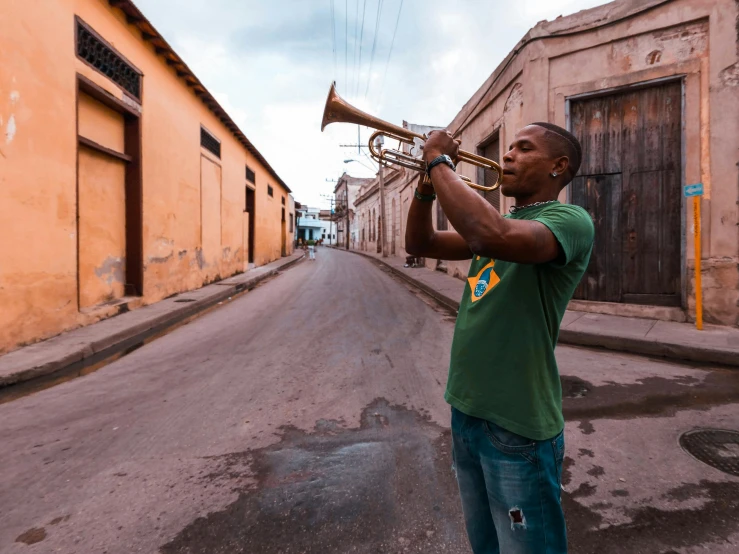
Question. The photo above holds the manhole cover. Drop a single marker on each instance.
(718, 448)
(185, 300)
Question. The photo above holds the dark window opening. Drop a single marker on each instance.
(292, 229)
(250, 204)
(92, 49)
(270, 190)
(487, 177)
(250, 176)
(283, 200)
(210, 143)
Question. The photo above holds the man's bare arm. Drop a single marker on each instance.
(421, 239)
(485, 230)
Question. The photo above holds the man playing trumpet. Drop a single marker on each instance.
(503, 386)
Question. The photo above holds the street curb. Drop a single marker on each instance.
(88, 353)
(631, 345)
(647, 347)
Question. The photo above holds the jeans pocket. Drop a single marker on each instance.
(558, 448)
(508, 442)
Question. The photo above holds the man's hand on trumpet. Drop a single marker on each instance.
(439, 143)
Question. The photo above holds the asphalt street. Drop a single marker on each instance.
(307, 416)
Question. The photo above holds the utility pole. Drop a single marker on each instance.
(331, 220)
(383, 227)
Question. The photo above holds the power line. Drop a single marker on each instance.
(333, 36)
(354, 51)
(374, 45)
(346, 41)
(361, 37)
(392, 43)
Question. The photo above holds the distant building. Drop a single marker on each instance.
(345, 195)
(310, 225)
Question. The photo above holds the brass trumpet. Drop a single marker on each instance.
(338, 110)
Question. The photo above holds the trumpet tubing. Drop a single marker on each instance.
(338, 110)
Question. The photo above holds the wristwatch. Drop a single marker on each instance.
(443, 159)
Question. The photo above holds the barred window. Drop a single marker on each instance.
(250, 176)
(107, 61)
(210, 143)
(270, 190)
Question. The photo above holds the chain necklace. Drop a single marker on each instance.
(514, 209)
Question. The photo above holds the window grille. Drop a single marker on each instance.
(270, 190)
(107, 61)
(210, 143)
(250, 176)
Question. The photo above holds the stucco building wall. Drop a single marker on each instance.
(40, 277)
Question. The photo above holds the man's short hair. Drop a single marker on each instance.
(563, 143)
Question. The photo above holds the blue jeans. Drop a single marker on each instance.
(510, 488)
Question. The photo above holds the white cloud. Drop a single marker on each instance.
(270, 65)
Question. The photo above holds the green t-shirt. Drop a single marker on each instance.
(503, 367)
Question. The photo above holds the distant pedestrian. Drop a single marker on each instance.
(507, 425)
(312, 249)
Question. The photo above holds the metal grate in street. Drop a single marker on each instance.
(719, 448)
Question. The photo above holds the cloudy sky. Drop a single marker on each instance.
(270, 64)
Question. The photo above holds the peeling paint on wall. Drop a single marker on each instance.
(10, 130)
(14, 97)
(199, 257)
(730, 76)
(515, 98)
(160, 259)
(113, 269)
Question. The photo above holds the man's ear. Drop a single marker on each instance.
(561, 165)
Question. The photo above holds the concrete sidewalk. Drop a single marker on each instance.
(677, 341)
(87, 346)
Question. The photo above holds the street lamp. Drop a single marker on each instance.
(360, 163)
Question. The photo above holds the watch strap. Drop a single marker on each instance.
(443, 159)
(425, 197)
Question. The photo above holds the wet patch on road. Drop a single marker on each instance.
(574, 387)
(32, 536)
(650, 397)
(385, 487)
(652, 530)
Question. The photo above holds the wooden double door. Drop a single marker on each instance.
(630, 183)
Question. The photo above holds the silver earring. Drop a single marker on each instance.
(554, 174)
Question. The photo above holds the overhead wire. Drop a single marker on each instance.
(333, 36)
(392, 43)
(354, 42)
(346, 42)
(361, 38)
(374, 46)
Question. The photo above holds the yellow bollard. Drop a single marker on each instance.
(698, 287)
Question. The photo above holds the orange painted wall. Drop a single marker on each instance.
(38, 175)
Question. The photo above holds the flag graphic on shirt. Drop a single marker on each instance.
(483, 282)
